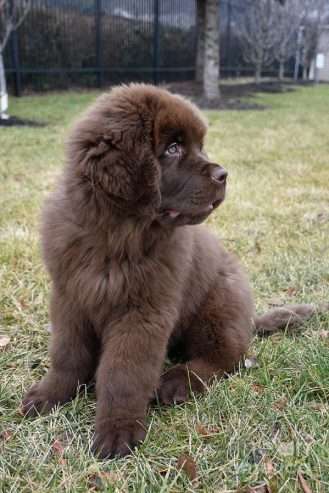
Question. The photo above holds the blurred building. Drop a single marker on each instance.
(320, 65)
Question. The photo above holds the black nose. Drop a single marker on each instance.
(219, 175)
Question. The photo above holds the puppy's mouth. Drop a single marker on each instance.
(178, 218)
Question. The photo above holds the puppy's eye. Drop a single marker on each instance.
(173, 149)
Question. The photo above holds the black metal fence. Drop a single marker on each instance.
(90, 43)
(95, 42)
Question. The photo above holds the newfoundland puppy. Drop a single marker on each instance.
(134, 276)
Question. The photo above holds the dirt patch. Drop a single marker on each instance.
(233, 95)
(14, 121)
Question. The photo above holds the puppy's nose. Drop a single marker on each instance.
(219, 175)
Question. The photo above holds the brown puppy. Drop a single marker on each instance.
(131, 278)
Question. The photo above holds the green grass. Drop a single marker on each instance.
(278, 412)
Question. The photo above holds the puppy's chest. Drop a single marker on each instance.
(118, 283)
(105, 284)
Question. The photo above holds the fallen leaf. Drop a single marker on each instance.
(206, 431)
(6, 435)
(251, 362)
(323, 334)
(57, 447)
(319, 406)
(187, 464)
(95, 483)
(281, 404)
(258, 248)
(258, 388)
(4, 341)
(303, 484)
(23, 304)
(58, 450)
(268, 466)
(291, 291)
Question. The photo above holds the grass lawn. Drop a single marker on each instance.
(266, 423)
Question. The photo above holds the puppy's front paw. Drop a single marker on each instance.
(177, 384)
(118, 438)
(37, 401)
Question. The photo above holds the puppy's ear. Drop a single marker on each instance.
(113, 152)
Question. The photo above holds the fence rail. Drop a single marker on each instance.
(94, 43)
(101, 42)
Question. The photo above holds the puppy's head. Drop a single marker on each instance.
(142, 148)
(191, 185)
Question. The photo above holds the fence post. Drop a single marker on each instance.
(228, 37)
(15, 59)
(156, 42)
(98, 26)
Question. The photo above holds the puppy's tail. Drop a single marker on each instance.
(286, 317)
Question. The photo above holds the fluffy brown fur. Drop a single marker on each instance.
(131, 278)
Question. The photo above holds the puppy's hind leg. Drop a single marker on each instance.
(73, 355)
(214, 343)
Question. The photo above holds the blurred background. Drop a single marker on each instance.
(60, 44)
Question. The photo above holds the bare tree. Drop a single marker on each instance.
(200, 28)
(288, 19)
(258, 34)
(12, 14)
(316, 17)
(310, 36)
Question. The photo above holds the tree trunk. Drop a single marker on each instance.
(211, 58)
(258, 73)
(3, 91)
(304, 72)
(200, 24)
(281, 70)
